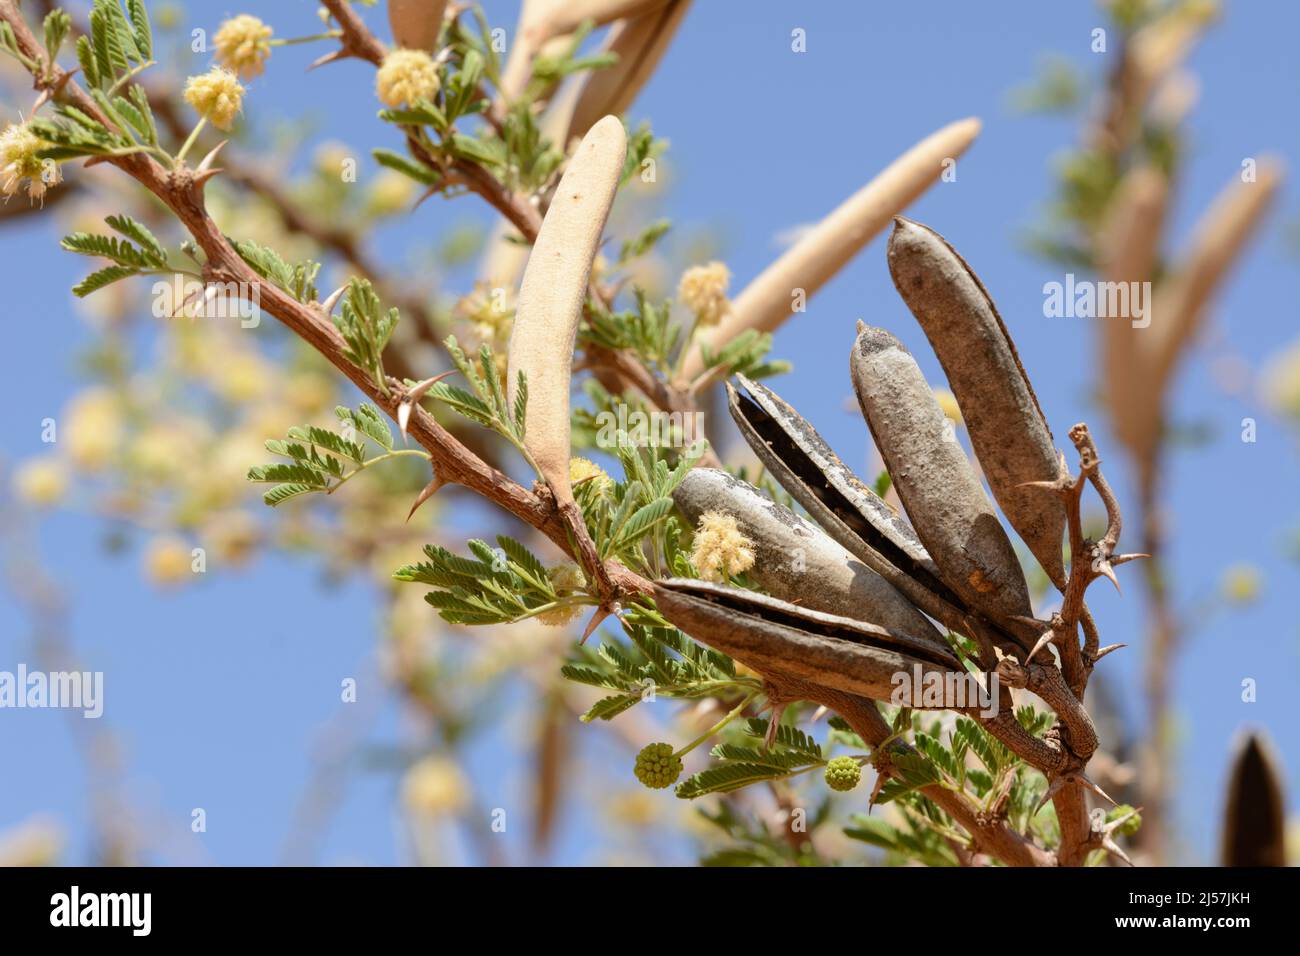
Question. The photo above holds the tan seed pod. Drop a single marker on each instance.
(639, 43)
(935, 481)
(1217, 241)
(796, 561)
(1254, 825)
(811, 262)
(1006, 425)
(776, 636)
(416, 23)
(565, 17)
(519, 63)
(552, 293)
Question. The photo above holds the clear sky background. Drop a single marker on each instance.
(219, 700)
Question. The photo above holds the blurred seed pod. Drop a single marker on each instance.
(552, 294)
(796, 561)
(1254, 823)
(767, 634)
(944, 500)
(416, 23)
(1128, 244)
(1007, 428)
(639, 43)
(524, 48)
(766, 302)
(563, 18)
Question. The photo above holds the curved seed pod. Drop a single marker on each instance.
(1219, 238)
(533, 15)
(796, 561)
(552, 293)
(1254, 824)
(565, 17)
(766, 302)
(416, 23)
(768, 634)
(1005, 423)
(640, 42)
(938, 487)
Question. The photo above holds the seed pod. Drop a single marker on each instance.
(639, 43)
(1254, 826)
(416, 23)
(1006, 425)
(811, 262)
(796, 561)
(566, 17)
(773, 635)
(551, 297)
(938, 487)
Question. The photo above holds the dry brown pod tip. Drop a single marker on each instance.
(1007, 428)
(552, 294)
(944, 499)
(416, 23)
(1254, 825)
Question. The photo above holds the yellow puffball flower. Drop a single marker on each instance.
(720, 549)
(167, 561)
(18, 161)
(92, 428)
(703, 290)
(216, 96)
(566, 579)
(1241, 584)
(231, 537)
(585, 470)
(242, 45)
(37, 841)
(406, 76)
(435, 787)
(1280, 381)
(390, 193)
(41, 482)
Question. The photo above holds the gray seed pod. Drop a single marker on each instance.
(765, 633)
(938, 487)
(796, 561)
(1005, 423)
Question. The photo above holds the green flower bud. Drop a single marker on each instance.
(843, 774)
(657, 766)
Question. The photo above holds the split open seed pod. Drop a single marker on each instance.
(796, 561)
(552, 294)
(944, 499)
(1007, 428)
(776, 636)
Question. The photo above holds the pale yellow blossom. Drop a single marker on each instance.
(168, 561)
(216, 96)
(41, 482)
(405, 77)
(18, 161)
(585, 470)
(720, 549)
(92, 427)
(434, 787)
(703, 290)
(243, 45)
(566, 579)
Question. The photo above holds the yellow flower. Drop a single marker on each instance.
(93, 428)
(390, 193)
(566, 579)
(216, 96)
(18, 161)
(434, 787)
(1280, 381)
(703, 290)
(231, 536)
(583, 469)
(37, 841)
(405, 77)
(167, 561)
(41, 482)
(491, 311)
(948, 404)
(1241, 584)
(720, 550)
(242, 45)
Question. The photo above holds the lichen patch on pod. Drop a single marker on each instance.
(776, 636)
(796, 561)
(944, 500)
(551, 295)
(1007, 428)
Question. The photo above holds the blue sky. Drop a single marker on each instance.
(219, 697)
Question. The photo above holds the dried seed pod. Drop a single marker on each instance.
(416, 23)
(796, 561)
(776, 636)
(938, 487)
(565, 17)
(639, 43)
(766, 302)
(552, 293)
(1254, 826)
(1006, 425)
